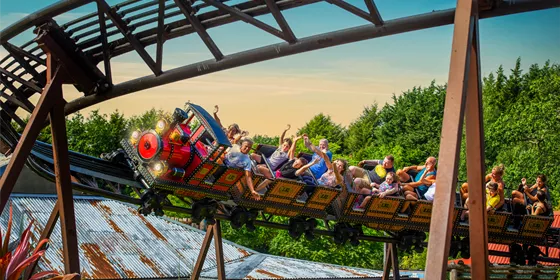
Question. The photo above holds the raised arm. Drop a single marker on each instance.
(312, 147)
(216, 109)
(302, 169)
(282, 136)
(292, 151)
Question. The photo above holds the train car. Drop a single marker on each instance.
(285, 197)
(183, 156)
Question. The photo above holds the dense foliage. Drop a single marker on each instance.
(521, 124)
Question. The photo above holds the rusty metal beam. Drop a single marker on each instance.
(61, 164)
(288, 33)
(374, 12)
(17, 51)
(189, 13)
(127, 33)
(450, 145)
(352, 9)
(23, 148)
(79, 69)
(12, 114)
(273, 51)
(104, 44)
(219, 251)
(247, 18)
(21, 80)
(160, 31)
(45, 234)
(391, 261)
(197, 269)
(19, 58)
(16, 94)
(478, 230)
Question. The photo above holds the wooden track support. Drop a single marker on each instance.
(391, 261)
(463, 94)
(51, 105)
(214, 231)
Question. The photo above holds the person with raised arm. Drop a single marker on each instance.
(279, 156)
(334, 175)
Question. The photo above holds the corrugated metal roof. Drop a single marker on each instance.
(117, 242)
(261, 266)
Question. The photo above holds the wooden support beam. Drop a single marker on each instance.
(63, 184)
(188, 11)
(26, 142)
(197, 269)
(391, 261)
(478, 228)
(275, 11)
(247, 18)
(219, 251)
(450, 145)
(215, 231)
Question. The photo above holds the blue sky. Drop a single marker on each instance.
(337, 81)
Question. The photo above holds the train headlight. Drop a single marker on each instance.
(161, 126)
(135, 136)
(159, 168)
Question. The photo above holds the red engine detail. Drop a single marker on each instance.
(149, 145)
(152, 146)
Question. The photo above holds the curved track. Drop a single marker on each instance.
(133, 25)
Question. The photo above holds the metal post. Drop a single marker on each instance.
(478, 230)
(214, 230)
(450, 144)
(63, 183)
(219, 251)
(203, 251)
(395, 261)
(387, 262)
(24, 145)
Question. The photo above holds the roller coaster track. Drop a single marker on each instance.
(94, 40)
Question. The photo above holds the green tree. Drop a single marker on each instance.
(361, 133)
(322, 125)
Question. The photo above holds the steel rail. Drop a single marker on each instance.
(325, 40)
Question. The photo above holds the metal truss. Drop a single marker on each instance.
(112, 31)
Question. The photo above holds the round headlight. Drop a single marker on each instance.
(159, 168)
(161, 126)
(135, 136)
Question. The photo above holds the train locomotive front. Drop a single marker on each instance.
(181, 156)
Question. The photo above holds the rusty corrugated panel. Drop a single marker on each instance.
(260, 266)
(116, 242)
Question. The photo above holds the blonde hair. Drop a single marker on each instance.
(499, 169)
